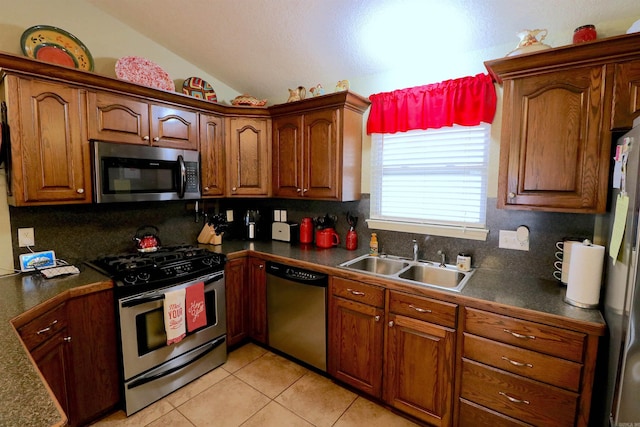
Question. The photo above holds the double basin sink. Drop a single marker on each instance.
(422, 273)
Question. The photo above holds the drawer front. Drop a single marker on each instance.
(427, 309)
(43, 327)
(531, 364)
(520, 398)
(522, 333)
(357, 291)
(478, 416)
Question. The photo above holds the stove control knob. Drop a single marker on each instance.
(144, 276)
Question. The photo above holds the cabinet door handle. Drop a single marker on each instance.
(305, 190)
(516, 363)
(234, 188)
(298, 190)
(48, 328)
(521, 336)
(513, 399)
(206, 188)
(156, 139)
(511, 195)
(419, 310)
(67, 339)
(145, 138)
(391, 324)
(80, 191)
(376, 318)
(358, 293)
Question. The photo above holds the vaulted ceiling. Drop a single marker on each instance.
(263, 46)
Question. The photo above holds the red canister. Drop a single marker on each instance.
(352, 240)
(306, 231)
(584, 33)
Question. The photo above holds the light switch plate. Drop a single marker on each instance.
(26, 237)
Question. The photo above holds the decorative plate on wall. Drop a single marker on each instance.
(139, 70)
(199, 88)
(57, 46)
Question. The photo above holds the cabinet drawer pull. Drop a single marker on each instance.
(521, 336)
(419, 310)
(48, 328)
(355, 292)
(516, 363)
(513, 399)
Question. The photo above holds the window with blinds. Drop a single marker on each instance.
(431, 177)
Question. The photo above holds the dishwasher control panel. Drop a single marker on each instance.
(296, 274)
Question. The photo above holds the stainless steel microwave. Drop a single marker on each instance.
(132, 173)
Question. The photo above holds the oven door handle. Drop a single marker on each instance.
(143, 299)
(152, 377)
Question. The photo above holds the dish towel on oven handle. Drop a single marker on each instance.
(174, 321)
(196, 312)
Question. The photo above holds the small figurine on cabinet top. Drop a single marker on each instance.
(342, 85)
(297, 94)
(317, 90)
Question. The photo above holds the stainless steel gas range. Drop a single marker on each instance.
(150, 367)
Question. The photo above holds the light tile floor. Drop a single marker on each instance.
(257, 388)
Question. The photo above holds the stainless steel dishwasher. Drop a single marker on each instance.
(297, 313)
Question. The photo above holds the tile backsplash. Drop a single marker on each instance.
(84, 232)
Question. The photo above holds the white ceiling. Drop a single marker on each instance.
(260, 47)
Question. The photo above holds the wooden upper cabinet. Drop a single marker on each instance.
(248, 156)
(50, 158)
(554, 152)
(287, 156)
(559, 108)
(626, 95)
(317, 147)
(120, 118)
(212, 155)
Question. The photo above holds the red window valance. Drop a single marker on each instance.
(465, 101)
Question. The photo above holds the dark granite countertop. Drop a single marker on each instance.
(26, 401)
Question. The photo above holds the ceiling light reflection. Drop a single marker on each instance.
(414, 32)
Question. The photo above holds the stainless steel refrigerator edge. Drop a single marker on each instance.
(622, 301)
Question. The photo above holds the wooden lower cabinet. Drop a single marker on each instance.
(54, 361)
(356, 329)
(94, 373)
(517, 372)
(258, 299)
(399, 354)
(237, 297)
(420, 358)
(74, 346)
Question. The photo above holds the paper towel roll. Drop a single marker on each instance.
(585, 275)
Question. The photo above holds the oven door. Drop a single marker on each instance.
(142, 333)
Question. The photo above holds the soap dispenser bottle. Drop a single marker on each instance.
(373, 245)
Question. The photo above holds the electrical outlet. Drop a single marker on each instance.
(509, 240)
(26, 237)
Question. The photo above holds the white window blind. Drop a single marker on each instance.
(433, 177)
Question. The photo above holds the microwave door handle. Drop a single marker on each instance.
(182, 181)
